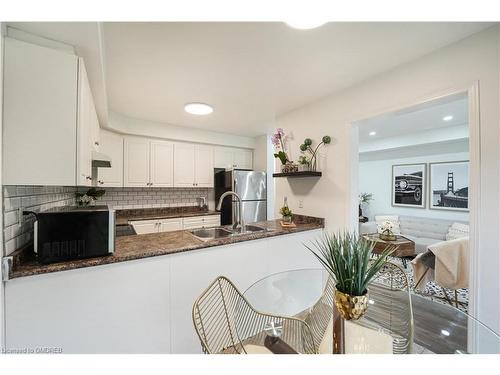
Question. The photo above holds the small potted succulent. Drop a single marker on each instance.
(347, 258)
(91, 195)
(286, 214)
(307, 147)
(304, 163)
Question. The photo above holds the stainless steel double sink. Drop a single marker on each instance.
(206, 234)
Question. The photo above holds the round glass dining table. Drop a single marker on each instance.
(396, 320)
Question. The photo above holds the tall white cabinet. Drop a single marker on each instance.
(193, 165)
(148, 163)
(49, 117)
(229, 158)
(111, 144)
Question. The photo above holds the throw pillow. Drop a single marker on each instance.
(457, 230)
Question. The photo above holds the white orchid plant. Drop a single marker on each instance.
(386, 227)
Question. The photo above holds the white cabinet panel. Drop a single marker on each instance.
(85, 118)
(169, 225)
(243, 159)
(111, 144)
(223, 158)
(94, 128)
(228, 158)
(145, 226)
(162, 164)
(204, 166)
(136, 162)
(201, 222)
(117, 308)
(39, 115)
(184, 165)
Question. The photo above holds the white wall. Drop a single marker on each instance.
(376, 177)
(456, 66)
(2, 296)
(128, 125)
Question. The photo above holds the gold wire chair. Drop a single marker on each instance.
(226, 323)
(389, 288)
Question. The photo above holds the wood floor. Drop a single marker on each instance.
(439, 328)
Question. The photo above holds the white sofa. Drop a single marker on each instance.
(421, 230)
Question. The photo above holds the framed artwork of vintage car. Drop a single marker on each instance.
(449, 186)
(408, 185)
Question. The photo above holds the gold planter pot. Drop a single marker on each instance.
(351, 307)
(387, 237)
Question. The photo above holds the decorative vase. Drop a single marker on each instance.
(289, 167)
(303, 167)
(287, 219)
(387, 237)
(351, 307)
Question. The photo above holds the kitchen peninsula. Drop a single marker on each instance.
(139, 299)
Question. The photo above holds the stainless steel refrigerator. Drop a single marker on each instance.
(251, 186)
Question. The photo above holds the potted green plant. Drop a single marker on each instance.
(364, 199)
(307, 147)
(286, 214)
(348, 259)
(91, 195)
(304, 163)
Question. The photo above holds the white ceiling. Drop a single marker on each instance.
(252, 72)
(419, 119)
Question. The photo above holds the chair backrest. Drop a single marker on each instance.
(213, 317)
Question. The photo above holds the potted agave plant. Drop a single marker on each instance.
(348, 259)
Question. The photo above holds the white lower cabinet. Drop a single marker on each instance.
(140, 306)
(169, 225)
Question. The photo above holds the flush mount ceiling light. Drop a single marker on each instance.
(305, 24)
(199, 109)
(448, 118)
(372, 133)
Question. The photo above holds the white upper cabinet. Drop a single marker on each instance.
(111, 144)
(136, 162)
(229, 158)
(148, 163)
(204, 166)
(194, 165)
(162, 164)
(49, 117)
(85, 118)
(40, 111)
(243, 159)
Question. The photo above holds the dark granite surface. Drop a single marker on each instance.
(156, 244)
(124, 216)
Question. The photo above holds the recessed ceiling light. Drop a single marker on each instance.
(198, 109)
(372, 133)
(445, 332)
(305, 24)
(448, 118)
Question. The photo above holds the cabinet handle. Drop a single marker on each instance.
(101, 182)
(96, 143)
(88, 178)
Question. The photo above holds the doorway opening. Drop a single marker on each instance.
(415, 174)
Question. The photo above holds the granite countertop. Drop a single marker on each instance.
(157, 244)
(124, 216)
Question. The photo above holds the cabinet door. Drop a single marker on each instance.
(169, 225)
(162, 164)
(204, 166)
(243, 159)
(111, 144)
(184, 166)
(84, 138)
(39, 115)
(136, 162)
(223, 158)
(94, 125)
(145, 226)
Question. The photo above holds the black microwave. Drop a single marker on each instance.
(73, 232)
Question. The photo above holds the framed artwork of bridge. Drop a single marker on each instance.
(449, 185)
